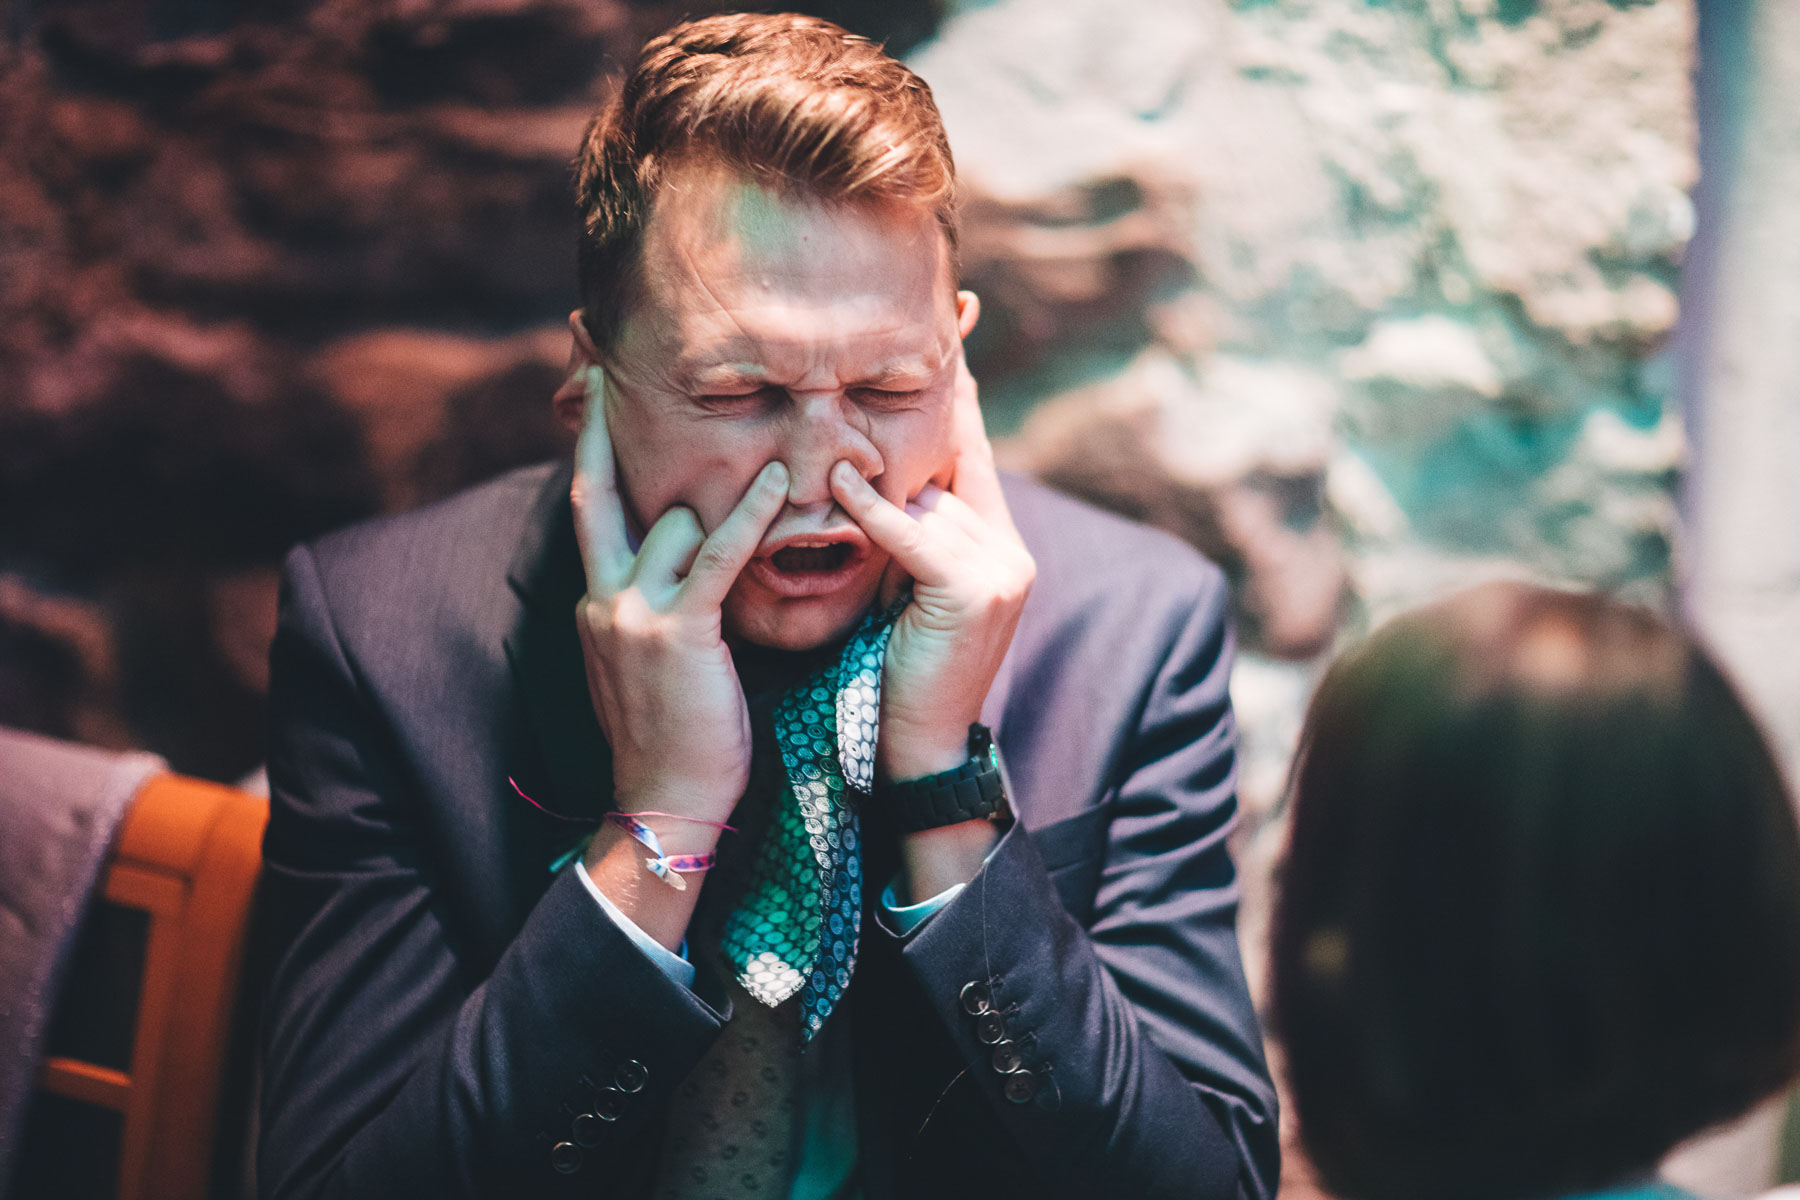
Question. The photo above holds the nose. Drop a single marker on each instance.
(825, 429)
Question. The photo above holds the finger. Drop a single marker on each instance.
(948, 507)
(733, 544)
(667, 553)
(950, 524)
(975, 480)
(900, 535)
(594, 494)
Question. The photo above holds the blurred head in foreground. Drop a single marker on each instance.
(1540, 917)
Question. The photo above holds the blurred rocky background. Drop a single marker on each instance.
(1360, 298)
(1366, 299)
(266, 268)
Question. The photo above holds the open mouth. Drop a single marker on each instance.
(804, 560)
(810, 565)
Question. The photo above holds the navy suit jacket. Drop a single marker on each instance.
(443, 1006)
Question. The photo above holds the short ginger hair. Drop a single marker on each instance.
(793, 103)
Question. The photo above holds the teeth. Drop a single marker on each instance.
(810, 544)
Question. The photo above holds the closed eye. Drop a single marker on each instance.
(737, 402)
(886, 398)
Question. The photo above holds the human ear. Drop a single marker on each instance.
(570, 400)
(968, 311)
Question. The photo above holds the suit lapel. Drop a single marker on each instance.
(544, 653)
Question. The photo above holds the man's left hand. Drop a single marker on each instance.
(970, 573)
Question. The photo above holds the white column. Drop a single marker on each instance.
(1741, 561)
(1742, 576)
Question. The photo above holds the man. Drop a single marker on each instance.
(765, 631)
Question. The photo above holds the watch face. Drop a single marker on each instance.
(981, 746)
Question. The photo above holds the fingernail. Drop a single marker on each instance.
(845, 473)
(775, 475)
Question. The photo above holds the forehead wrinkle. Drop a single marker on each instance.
(792, 331)
(781, 362)
(757, 305)
(687, 258)
(772, 234)
(773, 244)
(759, 347)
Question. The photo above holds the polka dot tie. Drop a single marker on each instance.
(794, 931)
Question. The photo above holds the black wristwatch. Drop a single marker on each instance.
(966, 793)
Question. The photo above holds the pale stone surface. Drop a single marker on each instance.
(262, 272)
(1368, 301)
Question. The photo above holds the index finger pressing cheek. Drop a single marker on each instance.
(734, 542)
(889, 527)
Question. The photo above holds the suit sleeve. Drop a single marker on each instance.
(1147, 1072)
(393, 1064)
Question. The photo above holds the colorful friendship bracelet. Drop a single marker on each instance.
(666, 867)
(663, 866)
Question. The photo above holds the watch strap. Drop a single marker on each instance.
(969, 792)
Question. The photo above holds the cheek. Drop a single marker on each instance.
(663, 463)
(916, 449)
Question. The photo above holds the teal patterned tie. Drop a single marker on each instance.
(795, 929)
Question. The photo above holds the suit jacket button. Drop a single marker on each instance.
(1006, 1058)
(990, 1028)
(566, 1157)
(610, 1104)
(586, 1130)
(631, 1076)
(1021, 1086)
(977, 998)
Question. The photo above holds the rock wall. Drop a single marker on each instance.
(1367, 300)
(257, 280)
(264, 269)
(1364, 299)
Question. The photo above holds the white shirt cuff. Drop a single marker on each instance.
(674, 965)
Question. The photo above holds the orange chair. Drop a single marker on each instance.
(169, 929)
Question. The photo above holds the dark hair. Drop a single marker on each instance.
(793, 102)
(1540, 915)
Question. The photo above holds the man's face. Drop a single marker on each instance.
(766, 328)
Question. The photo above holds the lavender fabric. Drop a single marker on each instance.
(60, 805)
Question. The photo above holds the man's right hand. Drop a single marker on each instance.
(652, 635)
